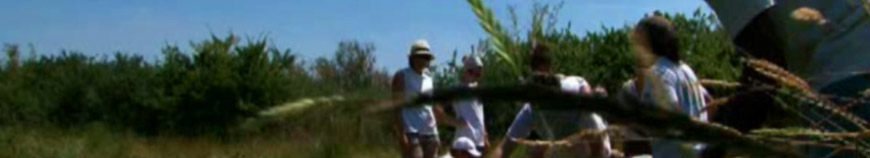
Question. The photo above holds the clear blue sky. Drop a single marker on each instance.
(311, 28)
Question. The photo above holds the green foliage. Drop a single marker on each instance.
(352, 66)
(202, 92)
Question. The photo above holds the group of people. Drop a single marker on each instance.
(418, 131)
(823, 42)
(662, 79)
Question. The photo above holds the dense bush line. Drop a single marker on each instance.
(197, 92)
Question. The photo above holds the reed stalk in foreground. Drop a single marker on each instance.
(659, 122)
(502, 43)
(790, 85)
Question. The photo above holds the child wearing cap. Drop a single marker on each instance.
(465, 148)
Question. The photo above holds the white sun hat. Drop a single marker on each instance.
(467, 145)
(421, 48)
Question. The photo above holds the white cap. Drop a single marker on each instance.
(421, 47)
(420, 43)
(471, 61)
(467, 145)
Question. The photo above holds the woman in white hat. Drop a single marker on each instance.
(418, 132)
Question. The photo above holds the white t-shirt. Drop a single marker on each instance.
(471, 111)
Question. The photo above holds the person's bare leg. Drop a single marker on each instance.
(411, 151)
(505, 149)
(597, 149)
(430, 146)
(539, 152)
(411, 146)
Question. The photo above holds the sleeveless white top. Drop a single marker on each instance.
(421, 119)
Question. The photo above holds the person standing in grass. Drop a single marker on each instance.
(470, 111)
(555, 124)
(665, 80)
(418, 132)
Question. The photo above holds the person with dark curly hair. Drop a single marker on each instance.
(666, 81)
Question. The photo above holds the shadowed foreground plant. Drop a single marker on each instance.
(659, 122)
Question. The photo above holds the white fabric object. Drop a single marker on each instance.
(421, 43)
(471, 111)
(420, 120)
(694, 93)
(466, 144)
(736, 14)
(574, 84)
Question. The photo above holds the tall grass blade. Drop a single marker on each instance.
(502, 43)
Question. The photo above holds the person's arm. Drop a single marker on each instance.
(486, 143)
(442, 116)
(586, 89)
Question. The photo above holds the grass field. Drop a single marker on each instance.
(326, 131)
(97, 142)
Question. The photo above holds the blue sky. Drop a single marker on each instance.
(311, 28)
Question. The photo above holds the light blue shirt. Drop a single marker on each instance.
(682, 92)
